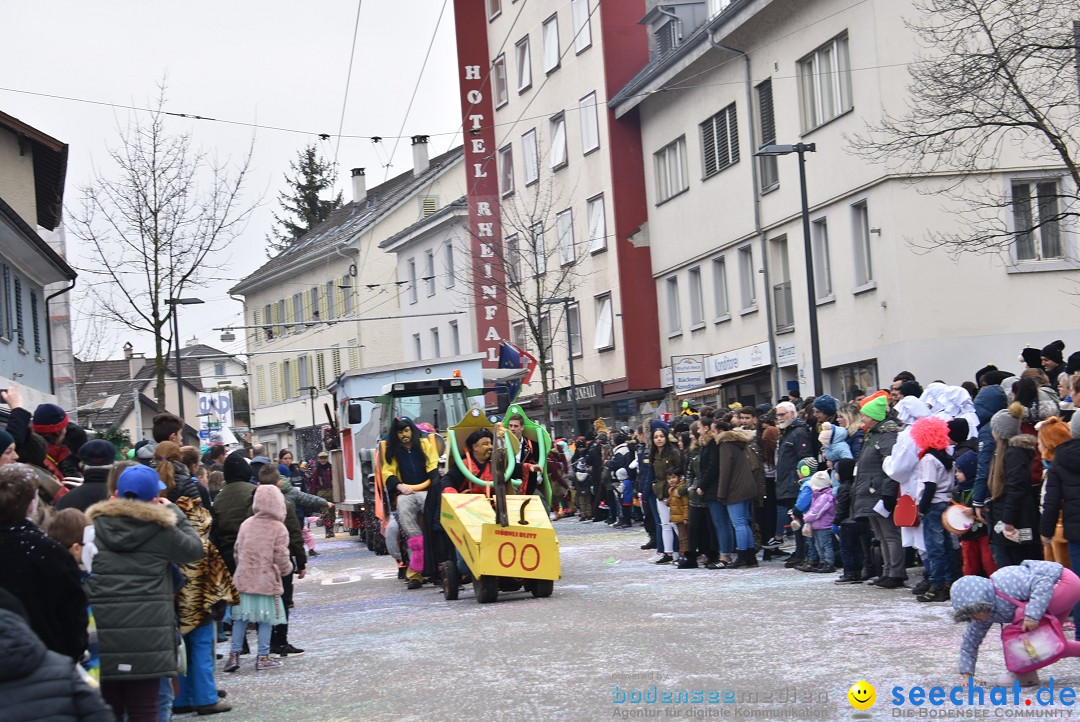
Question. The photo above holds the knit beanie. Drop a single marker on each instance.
(959, 430)
(983, 371)
(236, 467)
(825, 437)
(1004, 424)
(875, 407)
(1073, 364)
(968, 463)
(1031, 356)
(845, 469)
(99, 452)
(49, 419)
(825, 404)
(1053, 351)
(820, 480)
(6, 440)
(1052, 433)
(911, 388)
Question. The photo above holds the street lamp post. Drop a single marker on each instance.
(811, 296)
(313, 393)
(174, 302)
(566, 301)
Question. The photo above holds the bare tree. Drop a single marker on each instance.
(992, 76)
(541, 258)
(157, 229)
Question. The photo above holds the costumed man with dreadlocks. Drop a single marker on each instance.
(410, 463)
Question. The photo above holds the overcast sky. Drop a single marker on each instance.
(271, 62)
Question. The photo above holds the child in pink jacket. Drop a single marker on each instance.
(820, 518)
(262, 559)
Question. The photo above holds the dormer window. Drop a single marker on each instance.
(667, 37)
(672, 22)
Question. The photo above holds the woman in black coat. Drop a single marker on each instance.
(1014, 509)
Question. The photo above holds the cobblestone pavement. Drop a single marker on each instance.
(783, 644)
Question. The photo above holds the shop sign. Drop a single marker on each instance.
(687, 372)
(585, 392)
(787, 354)
(740, 359)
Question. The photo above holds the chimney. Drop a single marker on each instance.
(127, 350)
(136, 361)
(359, 185)
(420, 160)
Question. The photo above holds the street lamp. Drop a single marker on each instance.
(566, 301)
(811, 295)
(174, 302)
(313, 393)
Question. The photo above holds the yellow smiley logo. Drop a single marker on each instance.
(862, 695)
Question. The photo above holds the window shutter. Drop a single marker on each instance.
(35, 322)
(336, 358)
(428, 205)
(765, 111)
(275, 383)
(708, 144)
(723, 159)
(294, 372)
(354, 356)
(733, 135)
(320, 370)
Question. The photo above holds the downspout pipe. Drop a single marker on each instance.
(48, 333)
(774, 371)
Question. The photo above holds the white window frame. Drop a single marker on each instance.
(494, 9)
(545, 338)
(436, 350)
(499, 84)
(552, 51)
(418, 347)
(1065, 228)
(455, 338)
(719, 142)
(862, 253)
(768, 166)
(429, 273)
(671, 176)
(531, 150)
(824, 291)
(557, 156)
(747, 280)
(674, 311)
(604, 329)
(573, 320)
(513, 256)
(582, 25)
(597, 220)
(411, 266)
(817, 82)
(697, 298)
(590, 124)
(523, 56)
(519, 335)
(717, 6)
(538, 250)
(721, 300)
(506, 170)
(450, 270)
(564, 232)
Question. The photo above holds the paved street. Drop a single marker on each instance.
(615, 624)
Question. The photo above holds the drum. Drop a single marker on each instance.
(957, 519)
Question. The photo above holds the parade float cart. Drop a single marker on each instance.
(506, 540)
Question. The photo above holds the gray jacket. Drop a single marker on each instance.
(36, 684)
(131, 589)
(871, 482)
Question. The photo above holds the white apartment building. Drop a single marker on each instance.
(730, 76)
(438, 316)
(566, 167)
(217, 369)
(330, 303)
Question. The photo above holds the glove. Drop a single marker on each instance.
(927, 498)
(889, 502)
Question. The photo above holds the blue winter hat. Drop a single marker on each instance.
(971, 595)
(825, 404)
(99, 452)
(284, 471)
(968, 463)
(139, 482)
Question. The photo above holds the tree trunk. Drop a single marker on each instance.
(159, 364)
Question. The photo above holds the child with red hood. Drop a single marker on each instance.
(934, 485)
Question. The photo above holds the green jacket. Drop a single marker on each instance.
(231, 507)
(131, 585)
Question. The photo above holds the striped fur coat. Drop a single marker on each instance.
(209, 583)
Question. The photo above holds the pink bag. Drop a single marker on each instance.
(416, 554)
(1026, 652)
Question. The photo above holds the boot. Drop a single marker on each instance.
(216, 708)
(921, 588)
(688, 563)
(826, 569)
(232, 663)
(793, 561)
(651, 544)
(744, 558)
(935, 593)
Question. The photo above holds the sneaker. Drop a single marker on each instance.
(889, 583)
(846, 579)
(666, 559)
(266, 663)
(292, 651)
(329, 533)
(793, 561)
(215, 708)
(687, 564)
(773, 543)
(934, 594)
(414, 584)
(825, 569)
(232, 664)
(921, 588)
(312, 553)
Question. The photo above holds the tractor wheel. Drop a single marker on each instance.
(450, 581)
(372, 535)
(487, 589)
(542, 587)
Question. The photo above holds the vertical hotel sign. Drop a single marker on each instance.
(482, 178)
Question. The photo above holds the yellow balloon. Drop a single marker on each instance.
(862, 695)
